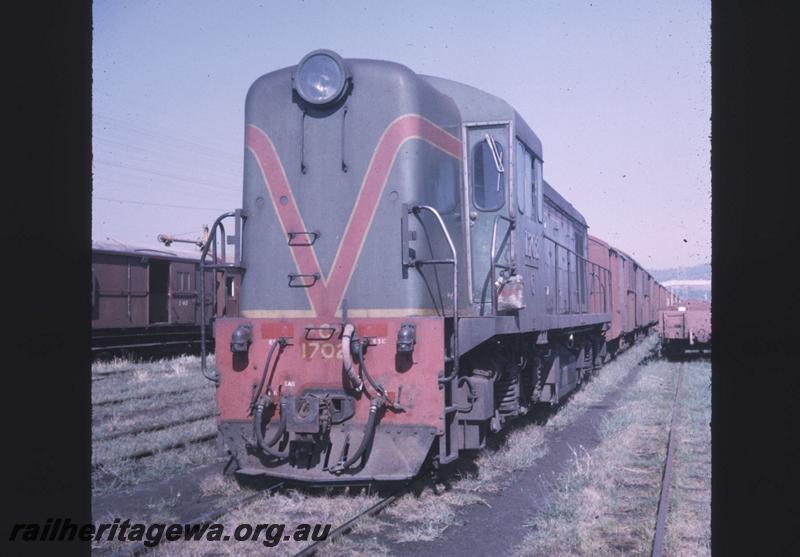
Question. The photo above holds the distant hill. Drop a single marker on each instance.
(686, 291)
(702, 271)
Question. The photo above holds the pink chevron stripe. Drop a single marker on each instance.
(326, 296)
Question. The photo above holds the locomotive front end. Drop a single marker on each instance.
(333, 372)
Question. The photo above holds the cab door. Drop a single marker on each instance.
(488, 184)
(182, 293)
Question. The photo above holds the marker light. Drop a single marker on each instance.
(321, 77)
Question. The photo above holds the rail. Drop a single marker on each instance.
(591, 290)
(144, 547)
(217, 256)
(347, 526)
(666, 477)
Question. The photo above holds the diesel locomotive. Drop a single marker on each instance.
(409, 280)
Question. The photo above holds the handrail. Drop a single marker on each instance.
(560, 245)
(212, 242)
(590, 268)
(455, 348)
(493, 254)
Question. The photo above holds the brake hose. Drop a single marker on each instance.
(264, 445)
(363, 364)
(280, 342)
(366, 440)
(347, 358)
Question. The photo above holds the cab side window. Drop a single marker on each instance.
(537, 188)
(520, 184)
(489, 185)
(524, 179)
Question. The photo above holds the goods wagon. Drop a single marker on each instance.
(685, 329)
(145, 298)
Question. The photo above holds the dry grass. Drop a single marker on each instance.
(156, 406)
(218, 485)
(125, 473)
(688, 527)
(121, 448)
(146, 516)
(606, 503)
(129, 422)
(606, 379)
(149, 379)
(291, 508)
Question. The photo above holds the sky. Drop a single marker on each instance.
(618, 92)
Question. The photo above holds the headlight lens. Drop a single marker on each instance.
(320, 78)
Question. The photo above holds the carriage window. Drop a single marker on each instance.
(184, 282)
(488, 180)
(444, 193)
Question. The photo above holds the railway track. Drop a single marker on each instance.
(113, 373)
(140, 548)
(347, 526)
(666, 480)
(110, 413)
(155, 427)
(143, 396)
(163, 448)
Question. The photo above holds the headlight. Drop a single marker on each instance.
(321, 77)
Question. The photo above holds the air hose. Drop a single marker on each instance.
(366, 440)
(363, 365)
(347, 358)
(280, 342)
(263, 444)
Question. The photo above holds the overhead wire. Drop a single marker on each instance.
(168, 205)
(148, 188)
(147, 152)
(153, 132)
(192, 181)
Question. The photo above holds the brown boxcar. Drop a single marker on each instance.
(635, 296)
(685, 329)
(147, 297)
(603, 255)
